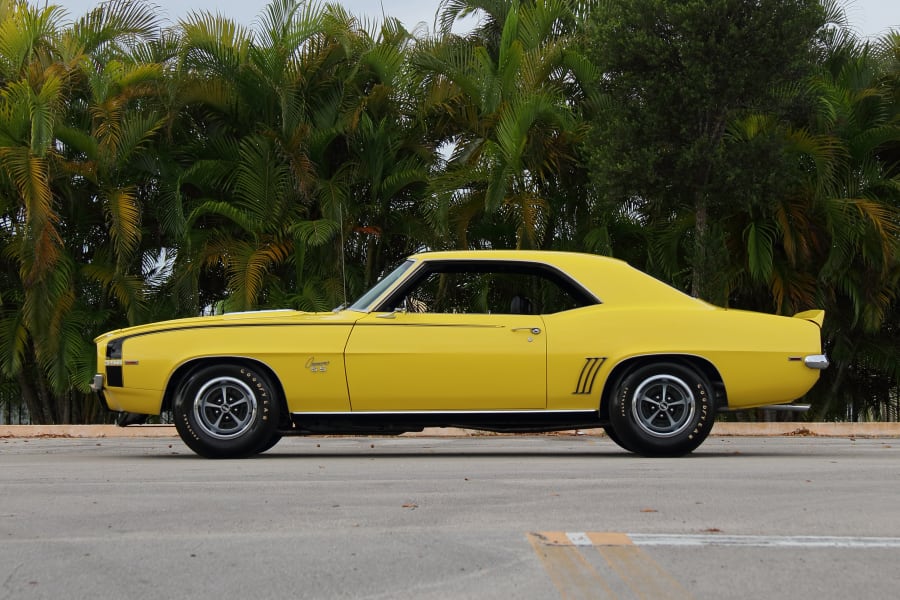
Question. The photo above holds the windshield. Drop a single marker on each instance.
(363, 303)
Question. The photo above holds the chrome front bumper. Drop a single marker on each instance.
(97, 386)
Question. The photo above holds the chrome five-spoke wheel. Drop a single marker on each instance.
(661, 409)
(663, 405)
(225, 407)
(227, 411)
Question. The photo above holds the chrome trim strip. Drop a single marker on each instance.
(423, 259)
(534, 411)
(466, 325)
(800, 408)
(410, 272)
(816, 361)
(260, 312)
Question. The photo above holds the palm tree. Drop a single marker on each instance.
(825, 228)
(860, 199)
(305, 149)
(72, 116)
(505, 101)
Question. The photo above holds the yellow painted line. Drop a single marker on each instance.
(575, 577)
(572, 575)
(610, 539)
(552, 538)
(643, 575)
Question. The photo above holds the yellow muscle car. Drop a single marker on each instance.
(512, 341)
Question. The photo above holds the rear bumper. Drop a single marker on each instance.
(816, 361)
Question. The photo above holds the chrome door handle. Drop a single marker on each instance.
(533, 330)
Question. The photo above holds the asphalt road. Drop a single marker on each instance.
(481, 517)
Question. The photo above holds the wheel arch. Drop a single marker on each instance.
(184, 370)
(701, 364)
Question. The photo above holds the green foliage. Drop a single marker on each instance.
(747, 151)
(760, 175)
(677, 74)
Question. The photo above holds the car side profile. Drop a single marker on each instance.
(509, 341)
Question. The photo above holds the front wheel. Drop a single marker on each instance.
(663, 409)
(611, 434)
(226, 411)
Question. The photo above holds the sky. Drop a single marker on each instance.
(868, 17)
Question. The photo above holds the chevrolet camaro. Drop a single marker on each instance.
(509, 341)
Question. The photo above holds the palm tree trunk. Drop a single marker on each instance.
(32, 404)
(700, 251)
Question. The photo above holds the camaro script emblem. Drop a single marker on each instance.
(315, 366)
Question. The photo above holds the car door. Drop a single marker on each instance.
(405, 361)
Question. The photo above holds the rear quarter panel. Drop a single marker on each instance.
(752, 352)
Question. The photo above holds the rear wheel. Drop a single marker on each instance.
(227, 411)
(663, 409)
(269, 443)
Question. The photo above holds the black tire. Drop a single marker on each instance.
(663, 409)
(611, 434)
(269, 443)
(227, 411)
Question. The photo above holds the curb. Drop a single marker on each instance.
(799, 429)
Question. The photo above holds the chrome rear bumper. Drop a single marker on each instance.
(816, 361)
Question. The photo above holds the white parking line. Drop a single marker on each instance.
(590, 538)
(579, 539)
(763, 541)
(629, 571)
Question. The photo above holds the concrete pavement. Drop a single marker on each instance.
(466, 517)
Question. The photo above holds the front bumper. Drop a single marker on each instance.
(97, 386)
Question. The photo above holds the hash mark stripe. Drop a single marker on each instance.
(593, 374)
(581, 375)
(588, 374)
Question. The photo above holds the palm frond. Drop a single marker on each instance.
(124, 214)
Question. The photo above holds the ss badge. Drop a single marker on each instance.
(315, 366)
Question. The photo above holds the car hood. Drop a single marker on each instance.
(272, 317)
